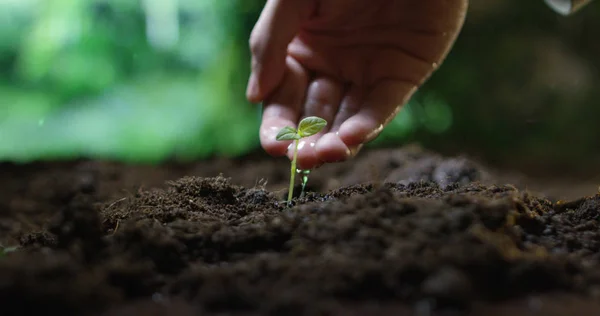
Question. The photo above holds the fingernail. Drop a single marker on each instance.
(355, 150)
(348, 153)
(373, 134)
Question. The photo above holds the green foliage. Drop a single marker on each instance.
(307, 127)
(288, 133)
(310, 126)
(129, 80)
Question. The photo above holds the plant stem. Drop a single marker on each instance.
(293, 172)
(304, 181)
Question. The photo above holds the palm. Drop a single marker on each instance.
(362, 43)
(354, 63)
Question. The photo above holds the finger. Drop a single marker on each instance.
(283, 108)
(379, 107)
(322, 99)
(277, 25)
(330, 147)
(349, 106)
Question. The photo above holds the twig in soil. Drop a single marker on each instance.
(116, 227)
(260, 184)
(115, 202)
(307, 127)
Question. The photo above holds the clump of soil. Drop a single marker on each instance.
(428, 237)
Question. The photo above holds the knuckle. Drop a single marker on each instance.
(255, 44)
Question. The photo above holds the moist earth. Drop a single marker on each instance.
(394, 232)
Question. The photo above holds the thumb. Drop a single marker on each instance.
(277, 25)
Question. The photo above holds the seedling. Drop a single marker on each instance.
(307, 127)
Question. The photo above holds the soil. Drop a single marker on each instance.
(393, 232)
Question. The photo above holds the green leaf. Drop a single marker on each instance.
(311, 125)
(287, 133)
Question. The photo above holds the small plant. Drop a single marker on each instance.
(307, 127)
(305, 174)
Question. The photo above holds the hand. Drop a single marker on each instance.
(352, 62)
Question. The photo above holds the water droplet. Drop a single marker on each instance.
(312, 144)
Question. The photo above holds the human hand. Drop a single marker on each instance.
(352, 62)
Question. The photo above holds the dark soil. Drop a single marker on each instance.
(395, 232)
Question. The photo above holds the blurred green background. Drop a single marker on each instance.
(150, 80)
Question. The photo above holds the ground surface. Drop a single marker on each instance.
(394, 232)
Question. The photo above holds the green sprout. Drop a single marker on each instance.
(307, 127)
(305, 174)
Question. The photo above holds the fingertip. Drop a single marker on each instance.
(276, 148)
(330, 148)
(307, 156)
(359, 130)
(268, 133)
